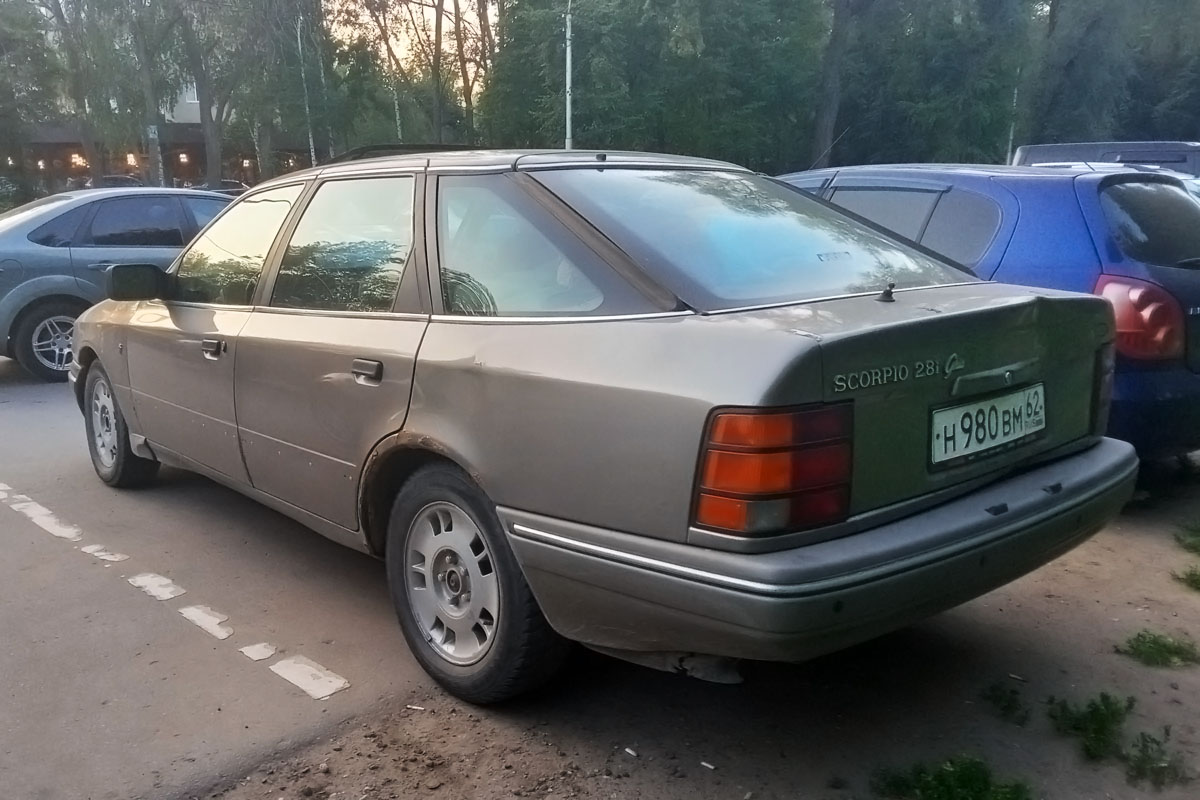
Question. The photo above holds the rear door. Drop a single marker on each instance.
(141, 229)
(325, 363)
(182, 350)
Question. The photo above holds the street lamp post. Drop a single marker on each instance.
(570, 141)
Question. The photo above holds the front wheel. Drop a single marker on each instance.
(43, 339)
(464, 606)
(108, 437)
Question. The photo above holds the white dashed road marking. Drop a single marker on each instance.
(41, 516)
(156, 586)
(99, 552)
(310, 676)
(257, 652)
(208, 620)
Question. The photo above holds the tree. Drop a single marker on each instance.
(70, 21)
(150, 26)
(28, 71)
(844, 15)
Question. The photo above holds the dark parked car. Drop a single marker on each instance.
(53, 253)
(654, 404)
(1131, 235)
(1178, 156)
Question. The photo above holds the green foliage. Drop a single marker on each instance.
(1149, 760)
(1098, 725)
(1189, 577)
(1189, 538)
(1160, 650)
(960, 778)
(1007, 703)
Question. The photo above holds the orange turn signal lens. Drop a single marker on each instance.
(736, 429)
(776, 472)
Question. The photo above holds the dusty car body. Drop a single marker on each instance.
(648, 403)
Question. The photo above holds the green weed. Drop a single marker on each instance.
(961, 778)
(1189, 577)
(1098, 725)
(1160, 650)
(1189, 538)
(1006, 701)
(1149, 760)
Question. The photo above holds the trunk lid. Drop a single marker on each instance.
(979, 345)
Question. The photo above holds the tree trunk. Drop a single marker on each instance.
(468, 86)
(210, 125)
(830, 100)
(150, 118)
(436, 68)
(262, 149)
(71, 35)
(485, 34)
(1054, 8)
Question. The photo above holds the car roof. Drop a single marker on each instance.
(1066, 171)
(134, 191)
(504, 161)
(1144, 145)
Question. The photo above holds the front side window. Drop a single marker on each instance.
(1153, 222)
(224, 264)
(349, 248)
(722, 240)
(499, 257)
(136, 222)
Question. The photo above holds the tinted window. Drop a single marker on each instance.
(1155, 223)
(722, 240)
(901, 210)
(204, 208)
(349, 247)
(497, 261)
(812, 186)
(962, 226)
(223, 265)
(60, 231)
(137, 222)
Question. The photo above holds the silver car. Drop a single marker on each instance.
(53, 253)
(662, 406)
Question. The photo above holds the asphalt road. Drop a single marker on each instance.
(107, 692)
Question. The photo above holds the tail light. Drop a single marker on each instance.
(1102, 389)
(767, 472)
(1150, 323)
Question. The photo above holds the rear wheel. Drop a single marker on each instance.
(108, 437)
(44, 337)
(466, 611)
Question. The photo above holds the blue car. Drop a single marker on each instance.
(1129, 235)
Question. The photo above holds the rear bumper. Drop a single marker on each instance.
(631, 593)
(1157, 411)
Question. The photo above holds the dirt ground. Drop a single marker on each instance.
(819, 730)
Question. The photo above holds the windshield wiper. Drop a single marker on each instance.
(1189, 262)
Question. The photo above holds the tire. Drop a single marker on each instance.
(108, 436)
(465, 609)
(42, 339)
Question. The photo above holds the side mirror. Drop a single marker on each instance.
(136, 282)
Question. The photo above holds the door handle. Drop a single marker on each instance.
(212, 348)
(100, 265)
(366, 371)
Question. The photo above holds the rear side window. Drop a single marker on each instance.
(136, 222)
(224, 263)
(349, 248)
(962, 226)
(1153, 222)
(502, 255)
(901, 210)
(722, 240)
(204, 208)
(60, 231)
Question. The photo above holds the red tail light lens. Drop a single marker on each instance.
(771, 471)
(1150, 322)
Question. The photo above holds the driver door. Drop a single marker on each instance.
(182, 350)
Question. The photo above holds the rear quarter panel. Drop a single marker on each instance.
(1051, 246)
(102, 329)
(597, 422)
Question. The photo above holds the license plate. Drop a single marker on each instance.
(989, 426)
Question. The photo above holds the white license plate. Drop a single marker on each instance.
(988, 425)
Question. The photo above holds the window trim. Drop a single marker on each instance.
(987, 248)
(937, 192)
(266, 285)
(173, 270)
(85, 228)
(86, 208)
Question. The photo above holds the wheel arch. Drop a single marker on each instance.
(389, 466)
(37, 302)
(85, 358)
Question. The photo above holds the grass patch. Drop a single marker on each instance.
(1099, 725)
(1006, 701)
(1149, 760)
(1189, 577)
(960, 778)
(1160, 650)
(1189, 538)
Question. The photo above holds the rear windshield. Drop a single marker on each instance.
(1154, 222)
(724, 240)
